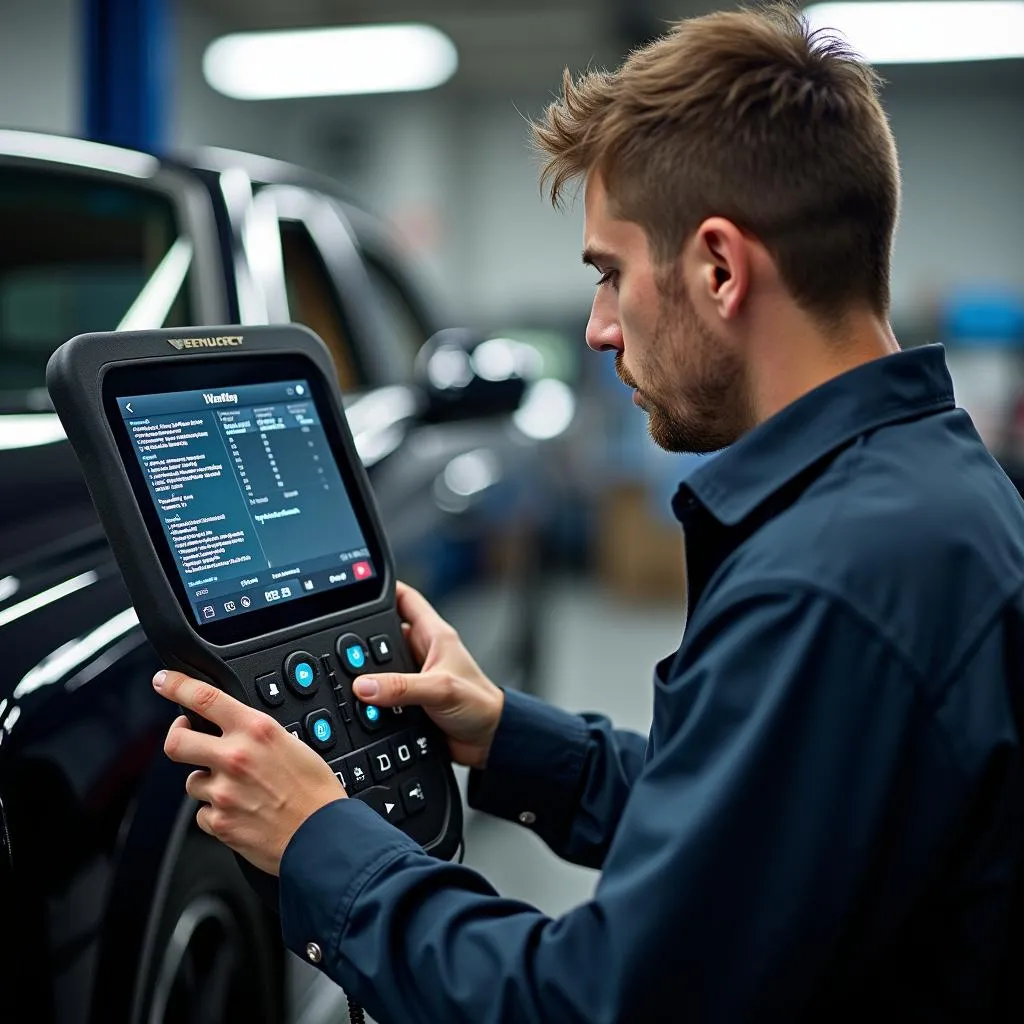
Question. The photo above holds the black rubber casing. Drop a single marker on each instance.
(75, 377)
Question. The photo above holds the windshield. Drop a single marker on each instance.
(81, 254)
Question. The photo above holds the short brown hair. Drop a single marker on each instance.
(750, 116)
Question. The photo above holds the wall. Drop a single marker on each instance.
(39, 65)
(961, 141)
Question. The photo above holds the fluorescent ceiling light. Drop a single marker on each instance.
(926, 31)
(329, 61)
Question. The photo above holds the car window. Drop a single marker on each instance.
(403, 330)
(313, 301)
(77, 254)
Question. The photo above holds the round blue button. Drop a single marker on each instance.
(322, 730)
(355, 656)
(372, 712)
(303, 673)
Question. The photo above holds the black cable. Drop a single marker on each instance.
(462, 849)
(355, 1012)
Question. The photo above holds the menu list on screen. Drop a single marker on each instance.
(248, 493)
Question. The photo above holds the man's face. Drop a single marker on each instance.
(689, 381)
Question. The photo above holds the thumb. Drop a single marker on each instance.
(397, 689)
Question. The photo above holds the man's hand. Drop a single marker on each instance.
(260, 783)
(451, 687)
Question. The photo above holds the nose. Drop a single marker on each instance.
(604, 333)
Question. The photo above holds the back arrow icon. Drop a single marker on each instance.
(128, 407)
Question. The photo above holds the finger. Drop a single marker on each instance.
(417, 655)
(197, 785)
(189, 746)
(203, 820)
(205, 699)
(425, 625)
(398, 689)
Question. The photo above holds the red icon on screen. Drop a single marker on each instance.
(361, 570)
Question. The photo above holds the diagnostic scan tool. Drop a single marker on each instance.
(224, 473)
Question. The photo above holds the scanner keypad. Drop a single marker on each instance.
(371, 717)
(392, 759)
(381, 647)
(352, 653)
(271, 689)
(301, 673)
(321, 732)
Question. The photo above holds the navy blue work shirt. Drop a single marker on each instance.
(825, 821)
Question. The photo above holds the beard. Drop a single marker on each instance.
(694, 388)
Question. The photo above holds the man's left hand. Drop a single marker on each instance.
(258, 784)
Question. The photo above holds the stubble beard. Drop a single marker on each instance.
(707, 406)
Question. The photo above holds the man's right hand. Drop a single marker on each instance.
(450, 686)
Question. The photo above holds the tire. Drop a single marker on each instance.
(216, 957)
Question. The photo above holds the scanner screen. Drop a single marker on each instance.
(248, 493)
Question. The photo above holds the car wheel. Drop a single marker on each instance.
(216, 957)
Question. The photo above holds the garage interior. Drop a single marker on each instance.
(450, 174)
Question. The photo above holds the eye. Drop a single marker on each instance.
(608, 277)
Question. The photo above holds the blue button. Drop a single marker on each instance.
(355, 656)
(322, 730)
(303, 673)
(372, 712)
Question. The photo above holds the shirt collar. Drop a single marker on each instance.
(901, 386)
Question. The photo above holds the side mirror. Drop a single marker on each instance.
(466, 376)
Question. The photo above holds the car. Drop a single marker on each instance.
(113, 906)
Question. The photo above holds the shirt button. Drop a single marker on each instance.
(314, 954)
(527, 818)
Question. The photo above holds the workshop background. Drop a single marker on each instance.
(450, 170)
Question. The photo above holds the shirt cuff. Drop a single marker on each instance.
(332, 855)
(534, 769)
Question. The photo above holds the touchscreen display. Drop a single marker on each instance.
(246, 488)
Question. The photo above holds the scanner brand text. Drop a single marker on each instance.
(223, 341)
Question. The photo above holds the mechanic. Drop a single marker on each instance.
(826, 818)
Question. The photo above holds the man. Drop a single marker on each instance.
(826, 819)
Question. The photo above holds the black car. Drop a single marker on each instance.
(113, 907)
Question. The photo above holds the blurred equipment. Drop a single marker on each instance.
(983, 331)
(639, 555)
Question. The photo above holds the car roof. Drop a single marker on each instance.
(78, 152)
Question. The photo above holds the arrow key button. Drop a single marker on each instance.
(385, 801)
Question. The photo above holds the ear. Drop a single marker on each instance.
(722, 255)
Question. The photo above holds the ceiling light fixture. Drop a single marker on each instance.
(329, 61)
(926, 31)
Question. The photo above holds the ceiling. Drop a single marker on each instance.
(502, 45)
(518, 48)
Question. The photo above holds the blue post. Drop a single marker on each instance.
(127, 53)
